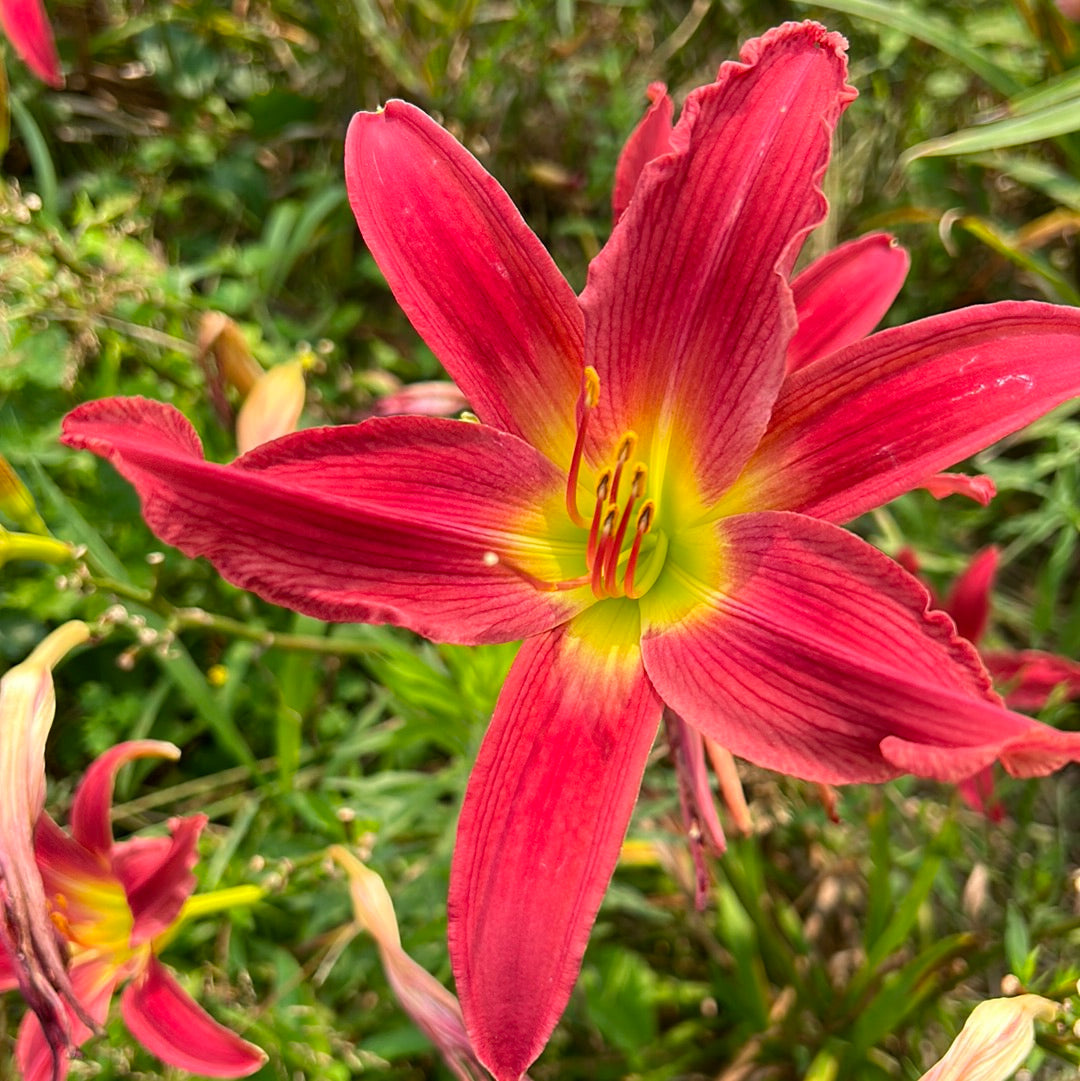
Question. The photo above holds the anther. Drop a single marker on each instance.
(590, 395)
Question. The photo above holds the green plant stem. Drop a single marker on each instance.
(181, 619)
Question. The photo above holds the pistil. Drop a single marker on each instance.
(590, 395)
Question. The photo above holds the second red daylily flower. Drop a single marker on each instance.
(113, 905)
(650, 500)
(80, 913)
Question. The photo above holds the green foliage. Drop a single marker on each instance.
(193, 165)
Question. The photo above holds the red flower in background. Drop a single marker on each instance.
(82, 913)
(651, 499)
(1026, 678)
(114, 904)
(27, 28)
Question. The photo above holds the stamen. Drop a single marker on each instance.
(602, 487)
(626, 449)
(493, 559)
(590, 395)
(601, 552)
(637, 489)
(644, 523)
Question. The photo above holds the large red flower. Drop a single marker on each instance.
(647, 500)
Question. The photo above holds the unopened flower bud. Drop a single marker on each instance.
(32, 546)
(16, 502)
(220, 338)
(272, 407)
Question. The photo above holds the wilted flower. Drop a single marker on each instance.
(27, 706)
(429, 398)
(1026, 678)
(433, 1008)
(650, 499)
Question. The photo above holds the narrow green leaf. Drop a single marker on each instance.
(37, 150)
(904, 992)
(994, 238)
(1061, 88)
(1047, 123)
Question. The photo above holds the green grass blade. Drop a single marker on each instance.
(1048, 123)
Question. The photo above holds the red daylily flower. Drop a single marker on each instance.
(113, 905)
(649, 499)
(27, 28)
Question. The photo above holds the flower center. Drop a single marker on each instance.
(624, 551)
(621, 525)
(94, 918)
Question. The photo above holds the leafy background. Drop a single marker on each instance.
(193, 164)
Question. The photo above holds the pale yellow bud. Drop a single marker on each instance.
(995, 1040)
(221, 338)
(272, 407)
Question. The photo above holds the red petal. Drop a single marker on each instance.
(895, 408)
(157, 876)
(470, 274)
(91, 823)
(818, 656)
(978, 793)
(389, 521)
(544, 817)
(968, 601)
(687, 310)
(979, 488)
(27, 27)
(432, 398)
(842, 296)
(1029, 677)
(164, 1018)
(650, 139)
